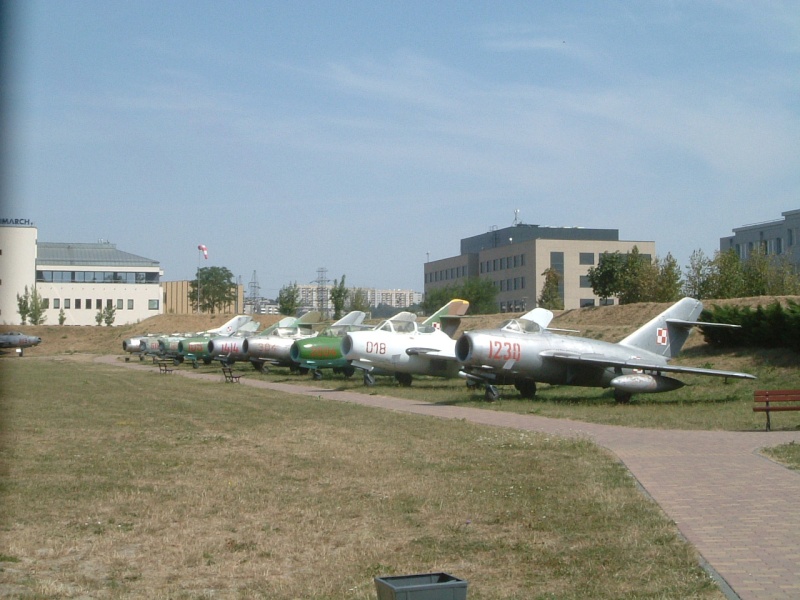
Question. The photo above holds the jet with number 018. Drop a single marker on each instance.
(523, 352)
(408, 348)
(19, 341)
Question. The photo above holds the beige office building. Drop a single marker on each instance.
(515, 259)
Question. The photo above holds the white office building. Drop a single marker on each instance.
(75, 281)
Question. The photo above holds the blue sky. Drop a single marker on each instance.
(363, 137)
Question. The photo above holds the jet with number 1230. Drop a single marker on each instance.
(523, 352)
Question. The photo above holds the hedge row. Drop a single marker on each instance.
(775, 326)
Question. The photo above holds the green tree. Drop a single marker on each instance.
(550, 297)
(727, 276)
(339, 295)
(359, 300)
(783, 279)
(756, 273)
(24, 305)
(481, 293)
(289, 299)
(606, 278)
(216, 289)
(697, 281)
(668, 281)
(62, 317)
(638, 277)
(109, 314)
(36, 308)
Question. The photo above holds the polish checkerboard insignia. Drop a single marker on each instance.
(662, 338)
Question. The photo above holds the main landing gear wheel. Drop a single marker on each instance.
(404, 379)
(527, 389)
(492, 394)
(369, 379)
(316, 374)
(622, 397)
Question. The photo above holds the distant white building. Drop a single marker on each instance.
(775, 238)
(78, 279)
(316, 297)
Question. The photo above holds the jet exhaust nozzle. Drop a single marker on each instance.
(464, 348)
(347, 345)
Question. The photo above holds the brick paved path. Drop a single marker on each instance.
(740, 510)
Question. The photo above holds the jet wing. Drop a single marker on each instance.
(598, 360)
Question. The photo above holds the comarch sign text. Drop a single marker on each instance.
(16, 222)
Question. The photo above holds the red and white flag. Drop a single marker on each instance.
(204, 250)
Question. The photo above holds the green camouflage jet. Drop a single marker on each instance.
(325, 350)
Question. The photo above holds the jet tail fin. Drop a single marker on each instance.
(231, 326)
(354, 317)
(448, 318)
(666, 333)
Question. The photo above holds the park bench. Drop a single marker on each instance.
(164, 367)
(229, 375)
(768, 401)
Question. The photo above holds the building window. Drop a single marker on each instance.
(77, 303)
(88, 304)
(56, 302)
(66, 303)
(586, 258)
(98, 304)
(119, 304)
(130, 304)
(585, 282)
(152, 305)
(587, 302)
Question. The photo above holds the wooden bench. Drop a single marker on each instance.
(768, 401)
(164, 367)
(230, 377)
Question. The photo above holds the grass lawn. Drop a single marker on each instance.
(120, 484)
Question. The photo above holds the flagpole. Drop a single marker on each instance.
(198, 279)
(201, 249)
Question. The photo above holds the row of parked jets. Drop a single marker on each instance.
(522, 352)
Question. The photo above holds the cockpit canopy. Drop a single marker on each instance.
(521, 326)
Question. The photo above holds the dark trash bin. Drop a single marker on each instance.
(427, 586)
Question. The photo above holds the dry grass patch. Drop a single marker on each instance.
(128, 484)
(786, 454)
